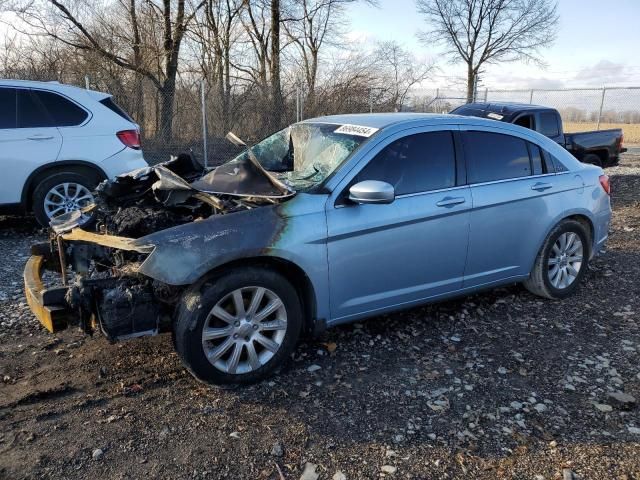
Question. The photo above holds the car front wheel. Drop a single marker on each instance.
(239, 327)
(561, 262)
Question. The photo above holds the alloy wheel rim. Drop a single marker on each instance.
(244, 330)
(66, 197)
(565, 260)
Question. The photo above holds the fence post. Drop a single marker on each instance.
(86, 82)
(370, 100)
(531, 97)
(486, 94)
(298, 101)
(604, 90)
(204, 125)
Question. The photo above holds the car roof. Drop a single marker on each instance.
(384, 120)
(54, 86)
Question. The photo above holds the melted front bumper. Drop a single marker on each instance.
(47, 304)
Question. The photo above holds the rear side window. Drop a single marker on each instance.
(494, 156)
(536, 160)
(114, 107)
(8, 110)
(541, 162)
(415, 163)
(549, 124)
(31, 113)
(64, 112)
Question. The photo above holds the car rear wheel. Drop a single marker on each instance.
(561, 262)
(239, 327)
(62, 193)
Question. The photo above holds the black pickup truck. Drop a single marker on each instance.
(600, 147)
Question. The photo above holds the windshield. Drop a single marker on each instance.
(305, 154)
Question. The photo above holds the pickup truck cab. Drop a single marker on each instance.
(598, 147)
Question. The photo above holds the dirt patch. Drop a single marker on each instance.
(496, 385)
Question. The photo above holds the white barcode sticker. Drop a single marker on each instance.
(359, 130)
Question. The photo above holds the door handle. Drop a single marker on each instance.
(450, 201)
(540, 186)
(40, 137)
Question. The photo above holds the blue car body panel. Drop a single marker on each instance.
(367, 259)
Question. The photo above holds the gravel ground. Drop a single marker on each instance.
(496, 385)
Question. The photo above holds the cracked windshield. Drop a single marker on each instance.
(304, 154)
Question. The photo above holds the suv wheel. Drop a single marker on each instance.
(61, 193)
(239, 327)
(561, 262)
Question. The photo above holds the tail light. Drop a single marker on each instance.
(606, 186)
(621, 141)
(131, 138)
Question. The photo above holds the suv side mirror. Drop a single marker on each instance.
(372, 191)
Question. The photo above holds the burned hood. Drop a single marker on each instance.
(178, 178)
(242, 177)
(171, 193)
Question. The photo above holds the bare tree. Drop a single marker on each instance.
(310, 25)
(479, 32)
(86, 26)
(215, 32)
(262, 20)
(399, 72)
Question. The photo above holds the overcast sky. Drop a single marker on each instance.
(598, 44)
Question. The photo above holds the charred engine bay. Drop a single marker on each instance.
(108, 292)
(179, 192)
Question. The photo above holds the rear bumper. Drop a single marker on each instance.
(125, 161)
(47, 304)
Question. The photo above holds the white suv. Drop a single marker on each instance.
(57, 142)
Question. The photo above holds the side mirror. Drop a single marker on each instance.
(372, 191)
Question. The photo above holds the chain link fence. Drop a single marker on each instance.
(196, 116)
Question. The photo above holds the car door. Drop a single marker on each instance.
(10, 185)
(512, 204)
(33, 142)
(386, 255)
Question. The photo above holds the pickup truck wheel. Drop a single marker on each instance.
(561, 262)
(239, 327)
(61, 193)
(592, 159)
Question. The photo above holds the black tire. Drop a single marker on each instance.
(592, 159)
(539, 282)
(88, 180)
(199, 300)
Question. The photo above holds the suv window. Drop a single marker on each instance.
(8, 110)
(64, 112)
(494, 156)
(31, 113)
(114, 107)
(415, 163)
(549, 124)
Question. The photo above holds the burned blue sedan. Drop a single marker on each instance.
(328, 221)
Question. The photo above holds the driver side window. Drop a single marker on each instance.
(415, 163)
